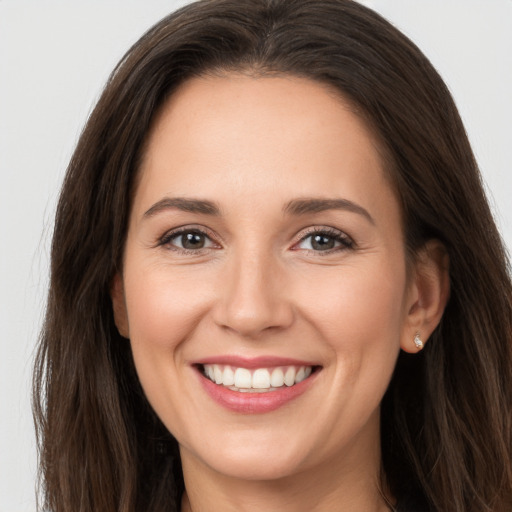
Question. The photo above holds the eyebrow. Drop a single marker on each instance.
(185, 205)
(316, 205)
(294, 207)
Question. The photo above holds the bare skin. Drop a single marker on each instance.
(263, 225)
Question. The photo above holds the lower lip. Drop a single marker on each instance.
(254, 403)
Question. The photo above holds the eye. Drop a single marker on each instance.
(187, 240)
(325, 240)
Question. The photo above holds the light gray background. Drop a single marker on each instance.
(55, 57)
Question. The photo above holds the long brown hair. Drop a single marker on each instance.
(446, 417)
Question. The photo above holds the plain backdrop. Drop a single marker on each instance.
(54, 59)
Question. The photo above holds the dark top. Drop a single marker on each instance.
(412, 505)
(401, 508)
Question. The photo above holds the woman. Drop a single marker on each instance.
(275, 202)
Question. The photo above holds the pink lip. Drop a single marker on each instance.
(254, 403)
(253, 362)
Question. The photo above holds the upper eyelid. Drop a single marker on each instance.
(345, 240)
(190, 227)
(216, 238)
(329, 230)
(174, 232)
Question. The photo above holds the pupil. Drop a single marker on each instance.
(322, 242)
(192, 241)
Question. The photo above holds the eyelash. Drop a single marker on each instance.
(338, 236)
(165, 240)
(345, 242)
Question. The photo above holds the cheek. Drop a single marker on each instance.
(349, 301)
(359, 315)
(164, 308)
(164, 304)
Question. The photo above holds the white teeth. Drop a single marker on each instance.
(301, 375)
(261, 379)
(289, 376)
(228, 376)
(217, 373)
(242, 378)
(277, 379)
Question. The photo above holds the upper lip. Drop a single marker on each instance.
(254, 362)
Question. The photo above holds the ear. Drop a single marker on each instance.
(119, 305)
(429, 291)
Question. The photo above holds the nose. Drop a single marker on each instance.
(253, 297)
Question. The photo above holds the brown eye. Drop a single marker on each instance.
(188, 240)
(192, 240)
(322, 242)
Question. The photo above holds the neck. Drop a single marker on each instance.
(286, 497)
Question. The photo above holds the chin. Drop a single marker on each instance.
(254, 460)
(256, 468)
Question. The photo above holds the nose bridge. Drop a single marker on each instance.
(253, 295)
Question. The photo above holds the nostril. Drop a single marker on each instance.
(252, 322)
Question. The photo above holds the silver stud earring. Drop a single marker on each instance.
(417, 341)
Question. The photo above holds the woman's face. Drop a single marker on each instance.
(264, 247)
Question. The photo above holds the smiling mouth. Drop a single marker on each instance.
(258, 380)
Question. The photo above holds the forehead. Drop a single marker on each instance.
(234, 102)
(257, 135)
